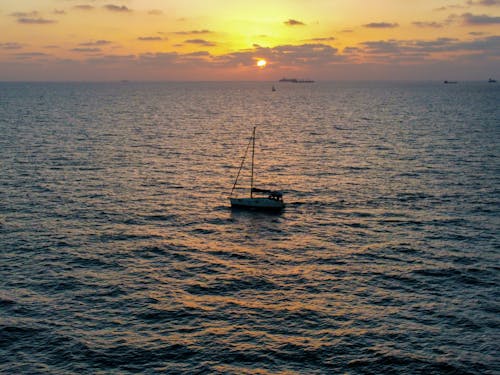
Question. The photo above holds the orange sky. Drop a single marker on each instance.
(223, 40)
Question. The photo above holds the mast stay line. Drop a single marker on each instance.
(253, 157)
(242, 162)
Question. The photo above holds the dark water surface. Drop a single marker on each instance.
(119, 253)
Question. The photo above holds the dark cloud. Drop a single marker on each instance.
(162, 58)
(88, 49)
(200, 42)
(490, 44)
(57, 11)
(303, 56)
(425, 48)
(351, 50)
(306, 59)
(449, 7)
(117, 8)
(27, 55)
(199, 53)
(112, 59)
(292, 22)
(100, 42)
(381, 25)
(479, 19)
(382, 47)
(310, 53)
(25, 14)
(149, 38)
(388, 59)
(84, 7)
(31, 18)
(326, 39)
(11, 45)
(186, 62)
(424, 24)
(193, 32)
(35, 21)
(487, 3)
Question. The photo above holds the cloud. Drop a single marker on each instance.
(100, 42)
(425, 49)
(350, 50)
(27, 55)
(382, 47)
(197, 54)
(25, 14)
(424, 24)
(449, 7)
(326, 39)
(155, 12)
(309, 53)
(84, 7)
(292, 22)
(490, 44)
(117, 8)
(160, 58)
(479, 19)
(88, 49)
(112, 59)
(11, 45)
(201, 42)
(486, 3)
(31, 18)
(413, 52)
(193, 32)
(35, 21)
(381, 25)
(149, 38)
(305, 56)
(57, 11)
(388, 59)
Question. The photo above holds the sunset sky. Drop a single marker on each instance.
(223, 40)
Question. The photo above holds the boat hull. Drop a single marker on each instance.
(264, 204)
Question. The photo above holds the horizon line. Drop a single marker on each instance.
(243, 81)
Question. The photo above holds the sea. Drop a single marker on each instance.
(120, 254)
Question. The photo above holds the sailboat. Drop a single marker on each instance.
(259, 199)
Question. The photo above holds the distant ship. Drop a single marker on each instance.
(491, 80)
(295, 80)
(449, 82)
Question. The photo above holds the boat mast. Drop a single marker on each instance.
(253, 154)
(241, 166)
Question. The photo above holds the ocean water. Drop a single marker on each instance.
(120, 254)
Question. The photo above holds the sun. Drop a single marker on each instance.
(261, 63)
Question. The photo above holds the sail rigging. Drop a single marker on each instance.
(274, 199)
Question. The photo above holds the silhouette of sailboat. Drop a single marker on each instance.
(259, 199)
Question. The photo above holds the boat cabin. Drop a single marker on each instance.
(272, 194)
